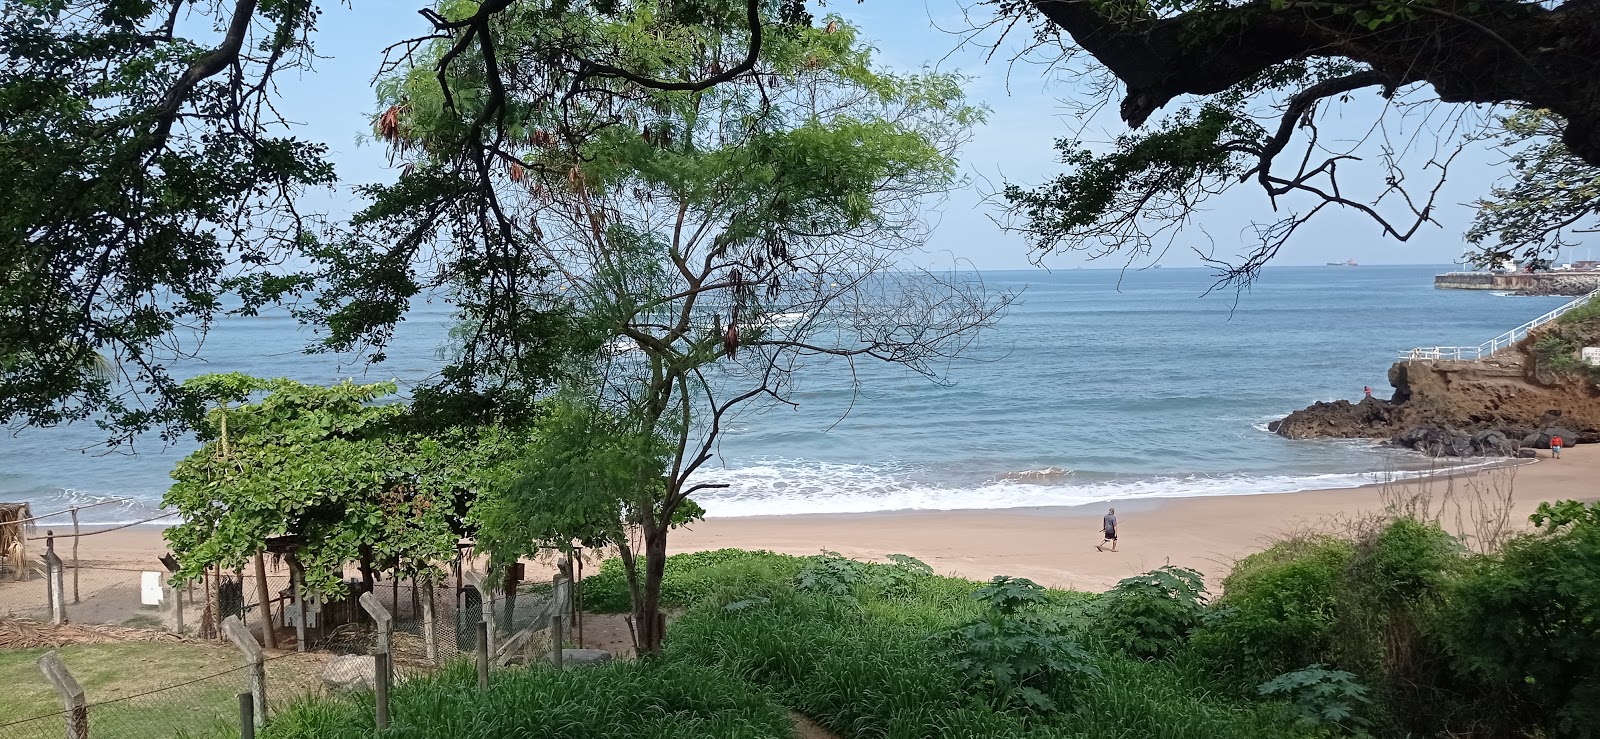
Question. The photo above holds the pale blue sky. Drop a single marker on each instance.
(333, 104)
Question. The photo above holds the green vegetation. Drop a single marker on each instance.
(352, 477)
(623, 700)
(1555, 349)
(123, 672)
(1395, 631)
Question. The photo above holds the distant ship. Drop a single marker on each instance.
(1346, 263)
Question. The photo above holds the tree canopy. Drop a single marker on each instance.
(339, 473)
(1251, 81)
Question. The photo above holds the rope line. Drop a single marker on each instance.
(105, 531)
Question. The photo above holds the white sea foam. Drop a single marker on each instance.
(801, 488)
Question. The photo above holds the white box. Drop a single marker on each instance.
(150, 591)
(1591, 356)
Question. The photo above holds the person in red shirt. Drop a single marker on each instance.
(1555, 447)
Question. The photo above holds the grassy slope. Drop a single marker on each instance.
(109, 672)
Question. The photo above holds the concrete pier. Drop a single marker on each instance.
(1533, 283)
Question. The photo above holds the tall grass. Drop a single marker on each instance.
(622, 701)
(875, 665)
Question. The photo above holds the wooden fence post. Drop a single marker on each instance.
(256, 672)
(297, 584)
(558, 619)
(75, 554)
(381, 680)
(486, 597)
(55, 580)
(263, 594)
(430, 638)
(77, 709)
(247, 716)
(483, 656)
(380, 618)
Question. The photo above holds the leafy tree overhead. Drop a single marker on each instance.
(331, 467)
(714, 237)
(1253, 80)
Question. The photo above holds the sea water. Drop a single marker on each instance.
(1099, 385)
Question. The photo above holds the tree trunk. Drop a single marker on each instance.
(367, 583)
(647, 609)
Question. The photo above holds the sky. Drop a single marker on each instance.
(334, 102)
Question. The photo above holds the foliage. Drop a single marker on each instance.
(875, 667)
(1014, 654)
(587, 477)
(830, 574)
(615, 701)
(692, 577)
(1541, 205)
(332, 467)
(1525, 618)
(709, 237)
(1151, 615)
(1553, 352)
(142, 186)
(1322, 698)
(1279, 608)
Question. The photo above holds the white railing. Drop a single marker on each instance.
(1487, 348)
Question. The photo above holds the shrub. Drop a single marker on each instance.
(621, 700)
(1014, 654)
(1279, 608)
(1526, 618)
(691, 577)
(830, 574)
(1322, 698)
(1555, 353)
(1151, 615)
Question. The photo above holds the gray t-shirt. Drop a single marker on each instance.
(1109, 523)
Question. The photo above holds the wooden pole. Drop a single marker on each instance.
(382, 619)
(57, 584)
(77, 709)
(381, 673)
(75, 554)
(263, 593)
(247, 716)
(483, 655)
(256, 669)
(297, 580)
(430, 637)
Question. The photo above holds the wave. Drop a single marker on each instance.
(811, 488)
(1048, 474)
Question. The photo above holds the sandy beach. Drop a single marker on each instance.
(1055, 546)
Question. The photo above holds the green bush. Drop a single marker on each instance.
(1279, 609)
(1013, 653)
(622, 700)
(1529, 618)
(1323, 699)
(691, 577)
(1151, 615)
(873, 667)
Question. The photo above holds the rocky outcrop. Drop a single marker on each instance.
(1492, 407)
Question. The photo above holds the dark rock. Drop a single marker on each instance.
(1526, 453)
(1541, 439)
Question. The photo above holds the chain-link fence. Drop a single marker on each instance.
(205, 705)
(115, 698)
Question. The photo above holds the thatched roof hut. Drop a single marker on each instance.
(14, 529)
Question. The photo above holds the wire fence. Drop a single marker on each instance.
(518, 628)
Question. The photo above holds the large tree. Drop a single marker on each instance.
(716, 239)
(1251, 83)
(345, 477)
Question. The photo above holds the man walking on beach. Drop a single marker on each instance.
(1555, 447)
(1108, 527)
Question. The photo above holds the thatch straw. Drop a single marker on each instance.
(15, 526)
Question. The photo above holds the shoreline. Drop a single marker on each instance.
(1052, 545)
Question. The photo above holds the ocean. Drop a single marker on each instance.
(1099, 385)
